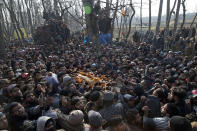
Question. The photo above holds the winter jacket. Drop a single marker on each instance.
(64, 123)
(154, 105)
(114, 109)
(41, 123)
(158, 123)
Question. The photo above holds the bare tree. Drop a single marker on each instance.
(141, 15)
(184, 12)
(130, 21)
(2, 44)
(177, 15)
(193, 20)
(149, 24)
(108, 8)
(167, 12)
(91, 21)
(14, 20)
(114, 17)
(159, 16)
(171, 12)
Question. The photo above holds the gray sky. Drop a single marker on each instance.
(191, 6)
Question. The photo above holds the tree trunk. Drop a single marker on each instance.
(43, 5)
(114, 17)
(159, 17)
(21, 15)
(193, 20)
(55, 6)
(167, 14)
(130, 21)
(29, 16)
(141, 16)
(8, 26)
(177, 15)
(14, 21)
(149, 24)
(168, 22)
(184, 12)
(107, 8)
(120, 28)
(91, 22)
(2, 44)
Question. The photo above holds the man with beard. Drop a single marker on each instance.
(178, 95)
(18, 118)
(15, 93)
(3, 122)
(30, 104)
(159, 123)
(44, 107)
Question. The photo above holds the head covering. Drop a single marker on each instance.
(178, 123)
(128, 97)
(108, 96)
(10, 106)
(41, 122)
(95, 119)
(194, 93)
(76, 117)
(67, 79)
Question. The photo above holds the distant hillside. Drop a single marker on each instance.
(189, 17)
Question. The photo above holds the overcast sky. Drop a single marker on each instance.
(191, 6)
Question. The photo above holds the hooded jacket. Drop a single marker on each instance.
(41, 122)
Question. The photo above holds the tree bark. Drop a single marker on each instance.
(193, 20)
(55, 6)
(130, 21)
(91, 22)
(21, 15)
(2, 43)
(14, 21)
(149, 24)
(167, 12)
(141, 16)
(29, 16)
(107, 8)
(114, 17)
(177, 15)
(159, 17)
(184, 12)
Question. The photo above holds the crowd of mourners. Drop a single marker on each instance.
(147, 89)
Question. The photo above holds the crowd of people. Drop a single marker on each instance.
(146, 88)
(179, 40)
(53, 31)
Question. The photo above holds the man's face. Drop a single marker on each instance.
(38, 76)
(16, 92)
(49, 100)
(80, 105)
(138, 119)
(30, 97)
(131, 103)
(121, 127)
(64, 101)
(10, 74)
(3, 123)
(18, 110)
